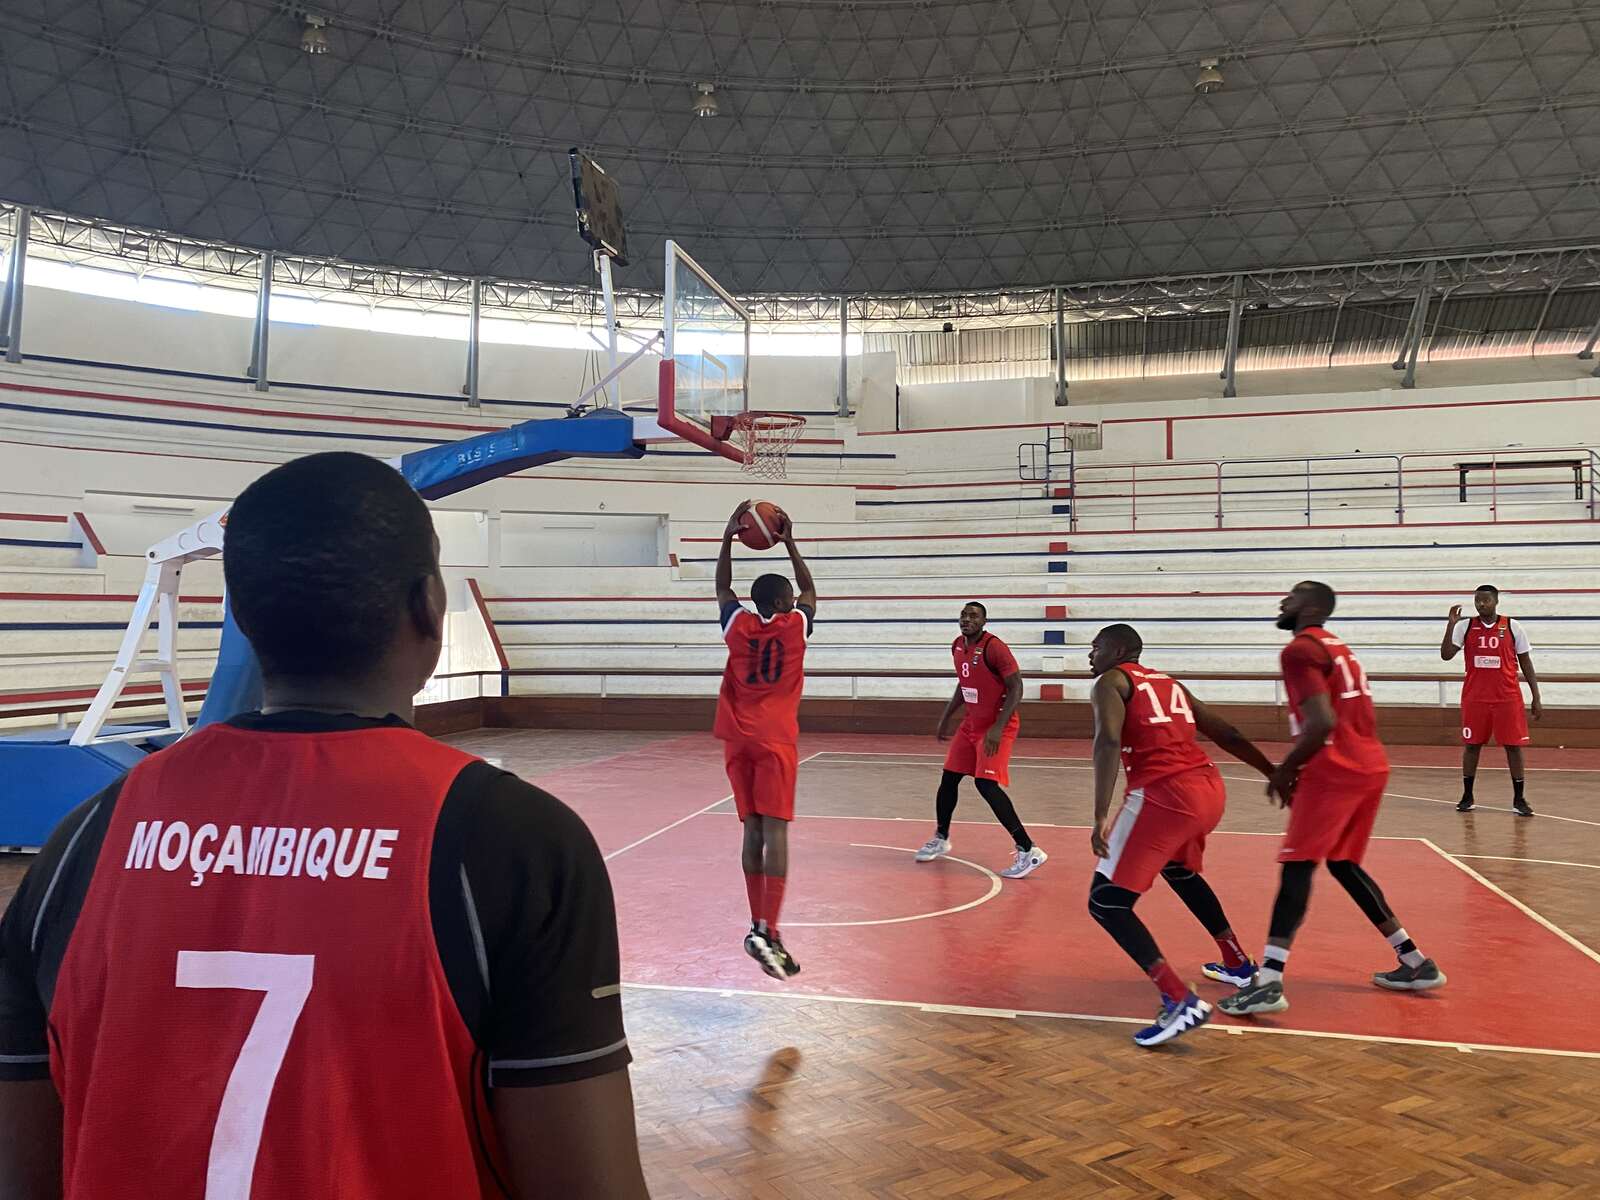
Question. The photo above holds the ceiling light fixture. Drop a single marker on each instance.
(1210, 78)
(705, 100)
(314, 34)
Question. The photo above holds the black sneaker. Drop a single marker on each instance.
(1411, 979)
(1257, 998)
(1466, 805)
(790, 967)
(760, 947)
(1521, 808)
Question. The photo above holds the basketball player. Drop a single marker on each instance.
(758, 720)
(1332, 782)
(1491, 698)
(989, 684)
(310, 951)
(1147, 721)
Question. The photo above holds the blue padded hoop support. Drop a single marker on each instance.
(437, 472)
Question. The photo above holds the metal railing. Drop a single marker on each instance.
(1333, 489)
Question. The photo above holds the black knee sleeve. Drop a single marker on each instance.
(1294, 894)
(1363, 889)
(1005, 812)
(1197, 897)
(1112, 909)
(945, 801)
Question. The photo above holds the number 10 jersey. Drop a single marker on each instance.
(765, 675)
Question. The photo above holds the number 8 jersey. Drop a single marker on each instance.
(765, 675)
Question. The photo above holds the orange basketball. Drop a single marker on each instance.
(763, 525)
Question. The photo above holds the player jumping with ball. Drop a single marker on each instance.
(758, 721)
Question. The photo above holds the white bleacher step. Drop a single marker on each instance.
(1389, 535)
(75, 580)
(1555, 636)
(1310, 561)
(879, 566)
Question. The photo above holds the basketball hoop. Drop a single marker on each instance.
(766, 438)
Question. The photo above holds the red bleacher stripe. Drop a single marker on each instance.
(1052, 691)
(4, 516)
(1033, 596)
(95, 543)
(963, 428)
(1055, 612)
(139, 689)
(488, 623)
(902, 537)
(1058, 548)
(94, 597)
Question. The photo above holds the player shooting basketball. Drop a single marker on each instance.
(758, 720)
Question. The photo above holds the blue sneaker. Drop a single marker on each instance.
(1175, 1019)
(1237, 976)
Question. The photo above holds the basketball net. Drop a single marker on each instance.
(765, 439)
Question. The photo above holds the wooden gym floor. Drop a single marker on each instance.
(954, 1036)
(948, 1038)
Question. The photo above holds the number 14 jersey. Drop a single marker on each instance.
(765, 675)
(1158, 732)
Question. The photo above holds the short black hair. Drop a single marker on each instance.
(321, 559)
(1488, 587)
(979, 605)
(1125, 638)
(1323, 595)
(766, 589)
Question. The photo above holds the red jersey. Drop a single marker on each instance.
(1158, 733)
(1491, 652)
(216, 1028)
(981, 670)
(765, 675)
(1316, 661)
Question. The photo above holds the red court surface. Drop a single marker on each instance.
(871, 926)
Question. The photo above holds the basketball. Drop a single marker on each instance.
(763, 526)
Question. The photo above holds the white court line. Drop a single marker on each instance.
(1060, 766)
(930, 756)
(1012, 1014)
(1545, 862)
(1561, 933)
(1544, 816)
(681, 820)
(994, 890)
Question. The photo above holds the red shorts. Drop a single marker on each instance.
(968, 756)
(763, 776)
(1505, 720)
(1332, 815)
(1163, 822)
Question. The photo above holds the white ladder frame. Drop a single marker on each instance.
(158, 602)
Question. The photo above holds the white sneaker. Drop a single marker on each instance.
(934, 847)
(1025, 863)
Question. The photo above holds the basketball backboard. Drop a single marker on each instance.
(705, 364)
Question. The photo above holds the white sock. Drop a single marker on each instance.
(1406, 948)
(1274, 960)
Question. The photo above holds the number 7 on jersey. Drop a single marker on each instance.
(286, 980)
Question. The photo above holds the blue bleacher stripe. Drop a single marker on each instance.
(1060, 508)
(1057, 568)
(41, 542)
(65, 626)
(1055, 637)
(175, 422)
